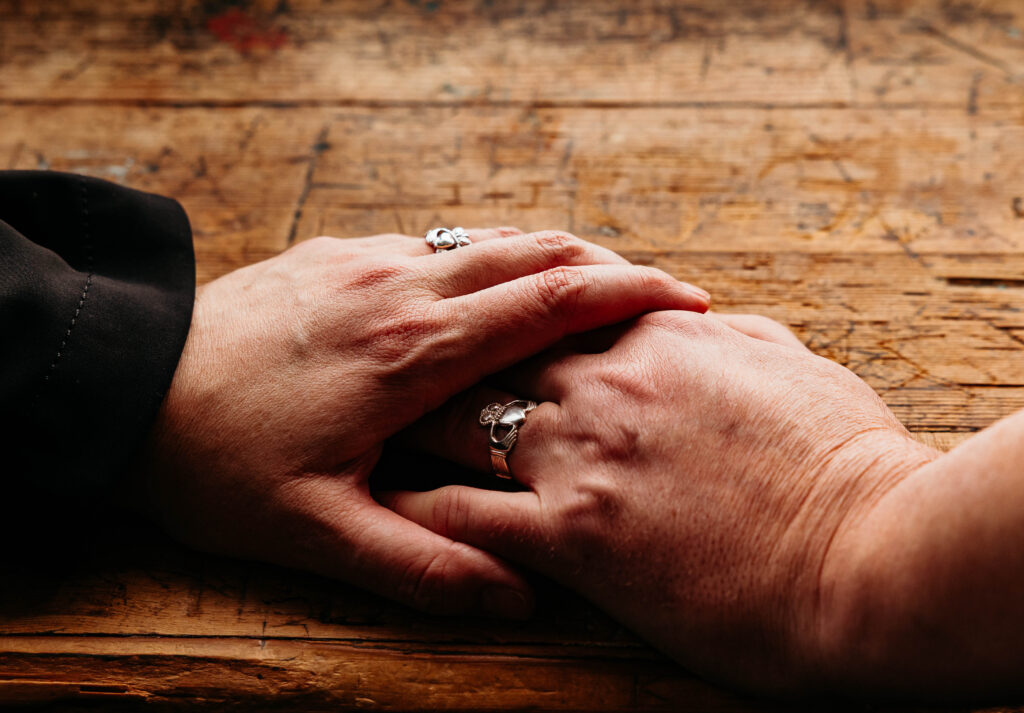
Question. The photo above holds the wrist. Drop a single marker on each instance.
(847, 626)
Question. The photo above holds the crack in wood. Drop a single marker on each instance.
(996, 282)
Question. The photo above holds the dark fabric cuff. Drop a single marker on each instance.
(97, 284)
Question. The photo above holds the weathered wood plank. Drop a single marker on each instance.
(967, 53)
(814, 181)
(784, 52)
(254, 674)
(692, 179)
(130, 581)
(322, 51)
(849, 167)
(781, 52)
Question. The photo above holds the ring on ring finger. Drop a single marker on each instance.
(444, 239)
(504, 421)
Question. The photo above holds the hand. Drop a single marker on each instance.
(298, 368)
(689, 479)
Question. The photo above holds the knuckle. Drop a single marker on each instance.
(375, 274)
(560, 246)
(560, 288)
(595, 507)
(600, 497)
(319, 244)
(403, 326)
(628, 380)
(654, 282)
(684, 324)
(653, 277)
(761, 327)
(427, 581)
(402, 338)
(450, 513)
(767, 326)
(623, 445)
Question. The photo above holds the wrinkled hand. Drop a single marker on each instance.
(298, 368)
(689, 479)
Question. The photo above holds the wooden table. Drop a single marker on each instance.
(853, 168)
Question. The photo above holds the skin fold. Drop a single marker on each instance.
(298, 368)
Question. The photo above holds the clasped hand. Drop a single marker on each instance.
(752, 509)
(297, 369)
(690, 474)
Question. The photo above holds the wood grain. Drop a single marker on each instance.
(853, 168)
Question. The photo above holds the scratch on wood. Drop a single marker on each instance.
(895, 237)
(972, 94)
(76, 71)
(843, 44)
(319, 146)
(1008, 331)
(841, 169)
(250, 131)
(967, 49)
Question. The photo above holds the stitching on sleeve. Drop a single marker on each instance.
(87, 240)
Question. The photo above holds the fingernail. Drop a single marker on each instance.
(508, 603)
(703, 294)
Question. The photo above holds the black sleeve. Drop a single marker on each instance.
(97, 284)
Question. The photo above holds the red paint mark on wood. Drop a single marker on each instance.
(244, 32)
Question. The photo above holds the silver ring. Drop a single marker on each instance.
(504, 421)
(443, 239)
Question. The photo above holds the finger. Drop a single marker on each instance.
(373, 547)
(595, 341)
(504, 523)
(549, 376)
(476, 235)
(454, 432)
(466, 270)
(399, 244)
(759, 327)
(497, 327)
(479, 235)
